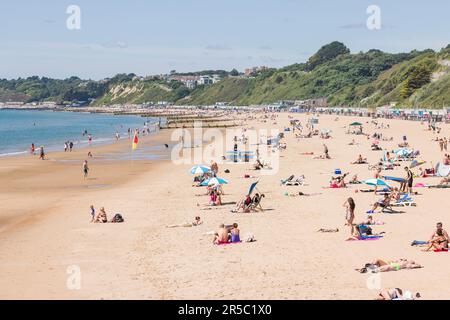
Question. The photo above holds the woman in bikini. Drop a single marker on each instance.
(394, 265)
(350, 213)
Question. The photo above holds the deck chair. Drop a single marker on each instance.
(283, 182)
(389, 209)
(257, 204)
(404, 201)
(296, 182)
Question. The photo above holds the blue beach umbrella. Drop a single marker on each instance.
(394, 179)
(375, 182)
(200, 169)
(403, 152)
(252, 187)
(214, 181)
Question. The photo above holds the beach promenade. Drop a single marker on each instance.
(46, 235)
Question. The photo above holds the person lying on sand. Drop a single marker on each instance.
(354, 180)
(444, 181)
(385, 266)
(371, 222)
(301, 194)
(397, 294)
(101, 216)
(328, 230)
(381, 203)
(360, 160)
(195, 223)
(439, 239)
(339, 181)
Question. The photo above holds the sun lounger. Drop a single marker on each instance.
(404, 201)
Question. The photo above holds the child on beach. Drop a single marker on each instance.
(92, 213)
(101, 216)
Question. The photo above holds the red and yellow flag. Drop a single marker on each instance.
(135, 141)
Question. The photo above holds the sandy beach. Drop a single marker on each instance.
(45, 227)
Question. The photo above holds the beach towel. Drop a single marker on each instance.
(227, 243)
(441, 250)
(419, 185)
(366, 238)
(419, 243)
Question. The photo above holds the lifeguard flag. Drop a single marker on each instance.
(135, 141)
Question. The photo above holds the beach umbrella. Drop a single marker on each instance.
(375, 182)
(214, 181)
(403, 152)
(252, 187)
(200, 169)
(353, 124)
(394, 179)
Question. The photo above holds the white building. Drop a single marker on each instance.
(205, 80)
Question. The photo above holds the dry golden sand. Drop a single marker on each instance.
(44, 226)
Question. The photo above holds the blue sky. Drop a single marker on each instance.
(155, 36)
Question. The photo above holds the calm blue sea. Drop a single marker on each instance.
(20, 128)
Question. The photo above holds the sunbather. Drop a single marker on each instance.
(397, 294)
(195, 223)
(439, 239)
(328, 230)
(395, 265)
(234, 233)
(382, 203)
(244, 204)
(360, 160)
(221, 236)
(444, 181)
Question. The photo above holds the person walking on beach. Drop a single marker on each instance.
(325, 151)
(92, 213)
(41, 153)
(214, 168)
(409, 180)
(350, 213)
(32, 149)
(445, 144)
(70, 146)
(66, 146)
(85, 169)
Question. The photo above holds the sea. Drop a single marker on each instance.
(20, 128)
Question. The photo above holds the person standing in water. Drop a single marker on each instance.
(85, 169)
(32, 149)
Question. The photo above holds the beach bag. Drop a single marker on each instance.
(117, 218)
(249, 238)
